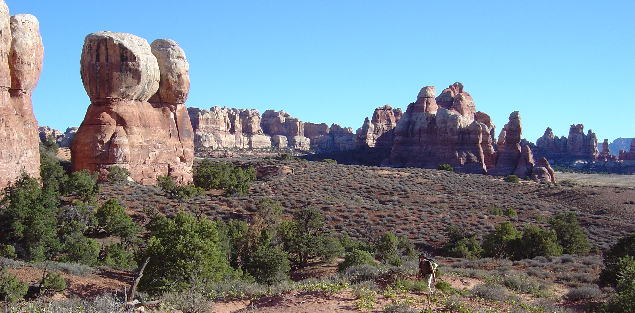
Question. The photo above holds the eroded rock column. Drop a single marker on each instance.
(21, 58)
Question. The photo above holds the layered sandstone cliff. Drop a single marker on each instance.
(21, 57)
(137, 118)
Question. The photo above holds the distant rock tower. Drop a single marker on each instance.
(21, 56)
(137, 118)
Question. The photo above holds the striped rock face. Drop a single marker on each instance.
(137, 118)
(21, 57)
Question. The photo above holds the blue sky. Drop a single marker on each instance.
(557, 62)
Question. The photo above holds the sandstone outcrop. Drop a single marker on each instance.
(543, 172)
(228, 128)
(21, 57)
(446, 129)
(137, 118)
(379, 131)
(336, 139)
(63, 140)
(577, 146)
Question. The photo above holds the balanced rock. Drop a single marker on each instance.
(137, 118)
(379, 131)
(444, 130)
(21, 57)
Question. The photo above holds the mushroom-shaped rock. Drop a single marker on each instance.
(174, 86)
(121, 127)
(118, 66)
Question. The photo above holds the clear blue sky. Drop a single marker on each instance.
(557, 62)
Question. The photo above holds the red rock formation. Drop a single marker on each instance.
(137, 118)
(582, 146)
(628, 156)
(21, 56)
(577, 146)
(508, 147)
(605, 155)
(281, 123)
(379, 131)
(543, 172)
(443, 130)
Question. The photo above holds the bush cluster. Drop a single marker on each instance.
(218, 175)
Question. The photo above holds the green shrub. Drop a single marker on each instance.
(496, 211)
(81, 184)
(52, 283)
(232, 179)
(306, 238)
(583, 293)
(536, 241)
(624, 299)
(118, 174)
(445, 288)
(462, 245)
(356, 257)
(624, 247)
(499, 243)
(52, 173)
(77, 248)
(446, 167)
(180, 250)
(117, 256)
(49, 145)
(28, 221)
(512, 179)
(509, 212)
(411, 285)
(8, 251)
(269, 265)
(571, 236)
(11, 289)
(174, 191)
(113, 220)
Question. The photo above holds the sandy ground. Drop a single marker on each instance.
(598, 179)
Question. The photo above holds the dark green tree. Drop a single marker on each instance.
(81, 184)
(571, 236)
(268, 265)
(499, 243)
(356, 257)
(233, 179)
(28, 220)
(180, 250)
(113, 220)
(624, 247)
(537, 241)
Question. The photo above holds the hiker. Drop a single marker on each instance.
(427, 270)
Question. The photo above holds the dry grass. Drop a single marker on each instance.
(598, 179)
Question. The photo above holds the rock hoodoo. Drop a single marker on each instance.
(441, 130)
(577, 146)
(137, 118)
(21, 57)
(379, 131)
